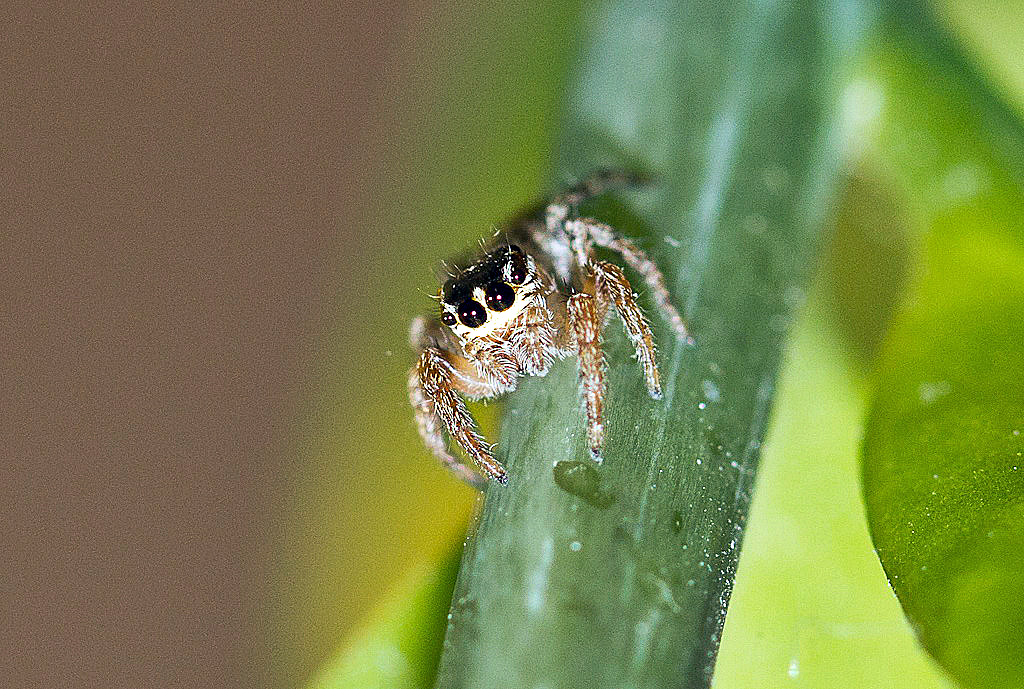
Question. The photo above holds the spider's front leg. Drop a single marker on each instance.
(428, 423)
(435, 384)
(434, 391)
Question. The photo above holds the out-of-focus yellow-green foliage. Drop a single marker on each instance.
(398, 645)
(943, 476)
(811, 606)
(469, 104)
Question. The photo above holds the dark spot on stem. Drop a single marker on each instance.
(583, 480)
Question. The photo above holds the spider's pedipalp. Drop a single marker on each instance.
(494, 366)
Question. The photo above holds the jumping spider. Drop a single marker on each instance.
(538, 293)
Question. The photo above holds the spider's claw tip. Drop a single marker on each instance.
(655, 394)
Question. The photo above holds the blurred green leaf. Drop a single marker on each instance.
(811, 606)
(622, 580)
(944, 472)
(993, 32)
(868, 265)
(943, 476)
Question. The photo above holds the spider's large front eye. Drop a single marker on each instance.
(472, 313)
(499, 296)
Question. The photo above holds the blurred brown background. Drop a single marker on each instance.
(218, 222)
(185, 194)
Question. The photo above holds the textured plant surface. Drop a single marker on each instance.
(619, 575)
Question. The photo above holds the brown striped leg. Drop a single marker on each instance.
(585, 329)
(612, 285)
(429, 426)
(585, 230)
(434, 386)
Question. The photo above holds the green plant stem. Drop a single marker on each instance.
(619, 575)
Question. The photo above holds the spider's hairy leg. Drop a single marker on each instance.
(585, 324)
(429, 426)
(434, 387)
(599, 182)
(586, 230)
(612, 285)
(595, 184)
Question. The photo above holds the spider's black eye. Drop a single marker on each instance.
(448, 318)
(517, 271)
(499, 296)
(472, 313)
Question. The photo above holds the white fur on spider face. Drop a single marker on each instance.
(527, 342)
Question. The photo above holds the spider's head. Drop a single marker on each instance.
(489, 294)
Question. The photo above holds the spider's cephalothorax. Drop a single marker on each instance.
(538, 294)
